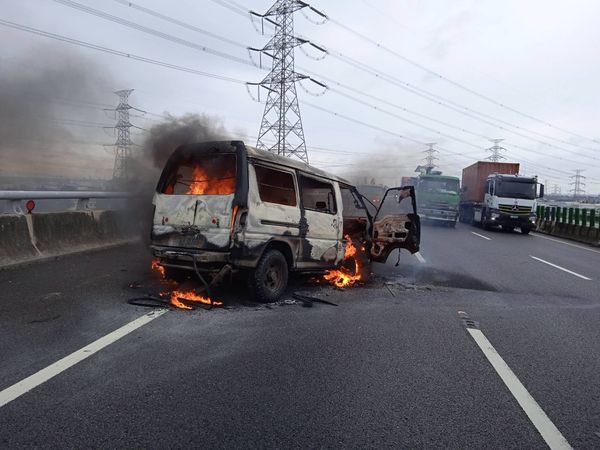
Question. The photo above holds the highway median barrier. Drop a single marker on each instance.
(570, 223)
(30, 237)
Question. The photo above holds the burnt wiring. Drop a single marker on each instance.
(308, 301)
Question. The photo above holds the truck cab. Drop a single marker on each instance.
(509, 202)
(438, 198)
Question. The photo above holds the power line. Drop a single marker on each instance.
(179, 22)
(356, 64)
(395, 105)
(150, 31)
(131, 56)
(423, 92)
(454, 83)
(449, 104)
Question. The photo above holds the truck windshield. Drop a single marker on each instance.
(446, 186)
(212, 174)
(515, 189)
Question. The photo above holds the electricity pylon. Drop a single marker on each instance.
(123, 144)
(496, 151)
(281, 118)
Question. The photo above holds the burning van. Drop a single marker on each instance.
(223, 208)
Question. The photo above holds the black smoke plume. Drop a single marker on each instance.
(48, 100)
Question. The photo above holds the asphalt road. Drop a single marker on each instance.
(392, 366)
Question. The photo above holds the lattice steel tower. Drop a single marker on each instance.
(496, 150)
(430, 157)
(281, 119)
(578, 184)
(121, 171)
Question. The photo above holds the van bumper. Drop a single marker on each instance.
(206, 261)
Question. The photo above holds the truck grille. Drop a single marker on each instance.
(518, 210)
(438, 205)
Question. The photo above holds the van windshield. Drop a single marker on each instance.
(209, 174)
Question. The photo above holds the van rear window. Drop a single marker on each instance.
(208, 174)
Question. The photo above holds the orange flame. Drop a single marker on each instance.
(203, 184)
(177, 294)
(190, 296)
(343, 277)
(158, 268)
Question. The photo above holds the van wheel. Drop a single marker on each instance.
(525, 230)
(269, 279)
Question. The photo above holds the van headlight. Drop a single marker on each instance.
(495, 216)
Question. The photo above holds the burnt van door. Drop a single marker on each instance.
(321, 223)
(195, 204)
(273, 207)
(396, 224)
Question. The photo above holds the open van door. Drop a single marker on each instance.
(396, 224)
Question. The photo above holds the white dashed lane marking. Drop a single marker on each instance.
(38, 378)
(553, 437)
(420, 258)
(481, 236)
(583, 277)
(581, 247)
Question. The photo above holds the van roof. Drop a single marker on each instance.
(261, 155)
(264, 155)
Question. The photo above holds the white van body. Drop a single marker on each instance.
(224, 206)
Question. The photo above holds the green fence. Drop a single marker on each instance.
(586, 217)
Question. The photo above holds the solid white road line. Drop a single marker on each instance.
(560, 268)
(481, 236)
(565, 243)
(536, 414)
(27, 384)
(420, 258)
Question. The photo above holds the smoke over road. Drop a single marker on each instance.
(50, 99)
(386, 165)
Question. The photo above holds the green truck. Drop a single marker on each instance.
(438, 198)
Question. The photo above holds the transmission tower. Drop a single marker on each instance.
(123, 150)
(578, 184)
(281, 118)
(496, 151)
(556, 190)
(430, 157)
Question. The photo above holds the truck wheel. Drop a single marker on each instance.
(269, 279)
(525, 230)
(452, 224)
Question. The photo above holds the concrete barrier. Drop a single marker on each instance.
(587, 234)
(15, 241)
(25, 238)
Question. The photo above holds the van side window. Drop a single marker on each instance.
(275, 186)
(317, 195)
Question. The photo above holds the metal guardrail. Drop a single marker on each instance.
(83, 197)
(585, 217)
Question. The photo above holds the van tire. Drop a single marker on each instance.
(525, 230)
(269, 279)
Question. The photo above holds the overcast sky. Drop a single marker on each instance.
(537, 57)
